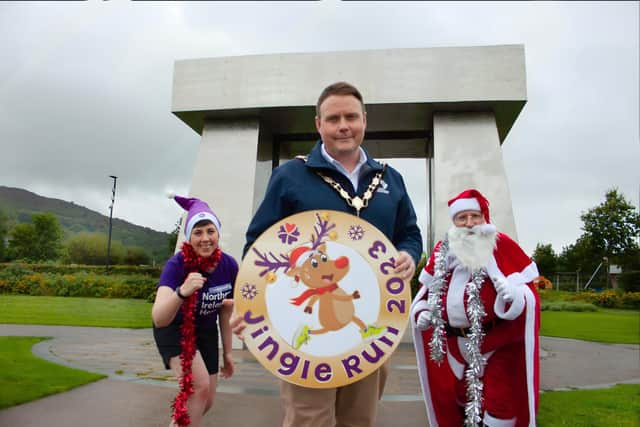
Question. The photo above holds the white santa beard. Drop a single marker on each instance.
(472, 247)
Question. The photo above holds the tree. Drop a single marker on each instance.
(48, 240)
(39, 240)
(580, 256)
(136, 256)
(91, 248)
(612, 227)
(546, 259)
(21, 238)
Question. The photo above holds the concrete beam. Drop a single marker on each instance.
(402, 87)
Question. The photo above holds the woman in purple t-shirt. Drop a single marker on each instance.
(192, 286)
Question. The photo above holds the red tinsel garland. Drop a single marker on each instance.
(192, 263)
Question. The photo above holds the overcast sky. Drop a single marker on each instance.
(85, 92)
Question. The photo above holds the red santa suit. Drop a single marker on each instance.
(510, 346)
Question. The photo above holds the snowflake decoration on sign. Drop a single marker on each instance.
(288, 233)
(249, 291)
(355, 232)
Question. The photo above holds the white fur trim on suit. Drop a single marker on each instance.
(529, 349)
(425, 278)
(455, 298)
(518, 282)
(463, 205)
(419, 344)
(497, 422)
(456, 367)
(419, 307)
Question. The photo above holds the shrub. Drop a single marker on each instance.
(606, 299)
(630, 281)
(15, 268)
(630, 300)
(567, 306)
(81, 284)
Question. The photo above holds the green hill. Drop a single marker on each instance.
(19, 205)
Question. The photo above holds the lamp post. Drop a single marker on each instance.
(113, 198)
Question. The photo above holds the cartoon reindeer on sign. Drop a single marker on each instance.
(321, 274)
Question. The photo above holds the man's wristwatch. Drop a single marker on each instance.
(179, 293)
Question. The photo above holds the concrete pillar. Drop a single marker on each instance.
(224, 177)
(467, 154)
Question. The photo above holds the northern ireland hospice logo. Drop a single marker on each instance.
(322, 304)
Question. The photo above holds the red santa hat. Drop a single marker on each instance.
(299, 256)
(469, 200)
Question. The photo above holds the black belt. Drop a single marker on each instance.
(464, 332)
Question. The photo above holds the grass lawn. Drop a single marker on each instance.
(25, 377)
(604, 325)
(69, 311)
(617, 406)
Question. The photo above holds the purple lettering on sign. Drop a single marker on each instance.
(323, 372)
(386, 340)
(396, 303)
(395, 290)
(387, 265)
(351, 363)
(252, 320)
(259, 332)
(305, 369)
(288, 363)
(375, 357)
(274, 349)
(377, 246)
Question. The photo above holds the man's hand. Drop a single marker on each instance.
(424, 320)
(405, 266)
(504, 289)
(236, 321)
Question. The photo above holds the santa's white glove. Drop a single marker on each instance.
(505, 290)
(424, 320)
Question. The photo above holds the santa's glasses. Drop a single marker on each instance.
(463, 218)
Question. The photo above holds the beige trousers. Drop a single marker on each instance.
(354, 405)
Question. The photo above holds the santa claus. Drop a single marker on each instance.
(475, 324)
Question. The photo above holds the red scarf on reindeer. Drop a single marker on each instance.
(192, 263)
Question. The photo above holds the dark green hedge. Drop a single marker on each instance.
(77, 268)
(16, 279)
(630, 281)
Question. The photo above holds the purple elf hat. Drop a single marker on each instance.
(197, 210)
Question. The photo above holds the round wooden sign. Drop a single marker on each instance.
(322, 304)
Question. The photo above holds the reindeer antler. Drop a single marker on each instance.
(282, 261)
(321, 228)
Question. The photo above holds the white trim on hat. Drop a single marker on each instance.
(304, 256)
(200, 216)
(460, 205)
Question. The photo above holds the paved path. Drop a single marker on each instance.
(138, 390)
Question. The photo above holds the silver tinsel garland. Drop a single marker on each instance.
(475, 314)
(434, 303)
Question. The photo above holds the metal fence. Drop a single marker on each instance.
(576, 281)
